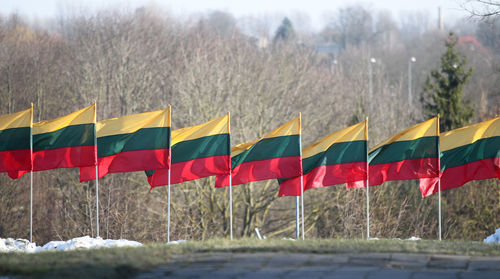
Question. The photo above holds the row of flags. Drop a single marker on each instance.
(145, 142)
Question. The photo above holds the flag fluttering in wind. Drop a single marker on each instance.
(15, 139)
(339, 158)
(469, 153)
(276, 155)
(411, 154)
(65, 142)
(129, 143)
(197, 152)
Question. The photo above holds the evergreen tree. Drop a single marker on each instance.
(443, 89)
(285, 32)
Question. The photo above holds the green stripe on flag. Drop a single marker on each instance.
(200, 148)
(487, 148)
(269, 148)
(338, 153)
(15, 139)
(142, 139)
(425, 147)
(70, 136)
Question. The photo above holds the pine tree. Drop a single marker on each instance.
(443, 89)
(285, 31)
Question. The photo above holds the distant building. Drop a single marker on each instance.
(472, 44)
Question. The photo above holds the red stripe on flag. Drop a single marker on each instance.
(457, 176)
(127, 161)
(324, 176)
(58, 158)
(14, 160)
(191, 170)
(65, 157)
(403, 170)
(282, 167)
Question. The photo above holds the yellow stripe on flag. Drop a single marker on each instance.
(83, 116)
(352, 133)
(470, 134)
(131, 123)
(428, 128)
(19, 119)
(213, 127)
(288, 129)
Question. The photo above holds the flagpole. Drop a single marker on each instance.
(230, 206)
(31, 206)
(31, 176)
(439, 175)
(302, 203)
(301, 176)
(168, 210)
(230, 179)
(297, 231)
(367, 208)
(96, 171)
(169, 168)
(97, 199)
(367, 184)
(439, 204)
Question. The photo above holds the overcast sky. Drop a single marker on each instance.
(315, 9)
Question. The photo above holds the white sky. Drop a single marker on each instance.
(315, 9)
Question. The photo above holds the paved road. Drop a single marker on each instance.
(289, 266)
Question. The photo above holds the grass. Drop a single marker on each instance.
(126, 262)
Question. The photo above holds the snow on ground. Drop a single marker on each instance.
(85, 242)
(176, 242)
(494, 238)
(17, 245)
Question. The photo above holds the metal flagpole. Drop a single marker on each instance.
(96, 172)
(367, 184)
(302, 203)
(230, 206)
(297, 231)
(439, 204)
(169, 168)
(31, 176)
(97, 199)
(230, 179)
(168, 210)
(301, 176)
(31, 206)
(439, 175)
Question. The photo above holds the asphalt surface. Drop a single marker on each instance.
(285, 265)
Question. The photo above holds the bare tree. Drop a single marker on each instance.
(482, 8)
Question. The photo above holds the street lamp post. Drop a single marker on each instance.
(370, 82)
(412, 60)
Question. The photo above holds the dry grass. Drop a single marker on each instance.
(126, 262)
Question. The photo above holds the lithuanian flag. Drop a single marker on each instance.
(15, 139)
(338, 158)
(197, 151)
(276, 155)
(65, 142)
(469, 153)
(411, 154)
(135, 142)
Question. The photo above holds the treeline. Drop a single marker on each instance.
(131, 62)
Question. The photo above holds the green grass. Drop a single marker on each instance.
(126, 262)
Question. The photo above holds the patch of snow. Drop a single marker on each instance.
(494, 238)
(16, 245)
(414, 238)
(175, 242)
(288, 238)
(85, 242)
